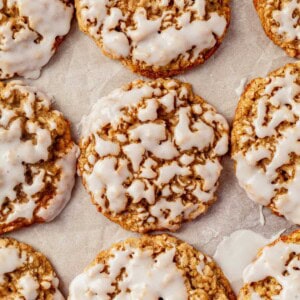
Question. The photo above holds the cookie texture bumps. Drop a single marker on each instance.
(281, 22)
(156, 38)
(274, 274)
(150, 154)
(31, 31)
(151, 267)
(37, 158)
(266, 141)
(26, 273)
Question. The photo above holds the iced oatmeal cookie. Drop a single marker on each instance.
(151, 267)
(266, 141)
(281, 22)
(37, 157)
(150, 155)
(275, 273)
(26, 273)
(30, 32)
(157, 38)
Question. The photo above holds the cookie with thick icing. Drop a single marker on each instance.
(274, 274)
(26, 273)
(30, 33)
(150, 154)
(37, 157)
(157, 38)
(151, 267)
(281, 22)
(266, 141)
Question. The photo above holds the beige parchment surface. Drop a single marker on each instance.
(79, 74)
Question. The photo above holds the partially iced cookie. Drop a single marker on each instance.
(37, 157)
(275, 273)
(281, 22)
(150, 155)
(266, 141)
(30, 33)
(26, 273)
(156, 38)
(151, 267)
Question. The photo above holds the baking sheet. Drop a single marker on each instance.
(79, 74)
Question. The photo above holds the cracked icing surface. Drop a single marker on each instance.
(25, 273)
(265, 141)
(37, 158)
(150, 154)
(275, 273)
(156, 38)
(281, 22)
(151, 267)
(30, 32)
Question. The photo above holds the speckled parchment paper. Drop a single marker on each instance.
(79, 74)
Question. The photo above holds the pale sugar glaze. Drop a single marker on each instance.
(172, 143)
(25, 51)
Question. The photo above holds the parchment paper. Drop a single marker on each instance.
(79, 74)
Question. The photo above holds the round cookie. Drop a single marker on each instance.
(266, 141)
(30, 33)
(281, 22)
(37, 158)
(151, 267)
(157, 38)
(274, 274)
(26, 273)
(150, 155)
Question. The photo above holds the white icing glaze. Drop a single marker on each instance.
(108, 109)
(240, 89)
(168, 172)
(209, 172)
(262, 219)
(150, 152)
(173, 209)
(151, 137)
(275, 261)
(105, 175)
(28, 287)
(64, 186)
(235, 252)
(10, 260)
(19, 52)
(147, 278)
(260, 184)
(185, 138)
(13, 259)
(288, 22)
(146, 41)
(15, 153)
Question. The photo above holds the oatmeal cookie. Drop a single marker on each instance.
(26, 273)
(281, 22)
(150, 154)
(30, 32)
(266, 141)
(157, 38)
(151, 267)
(37, 158)
(275, 273)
